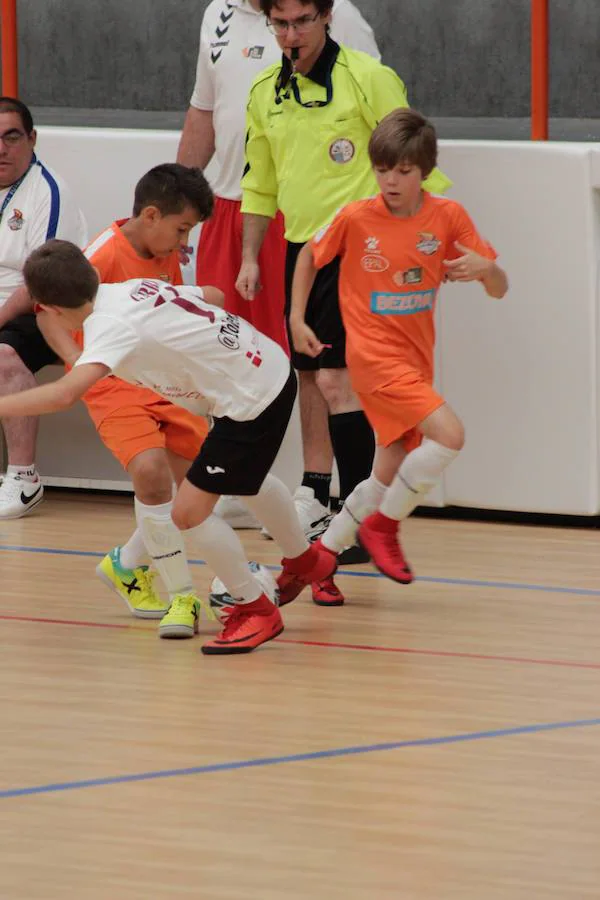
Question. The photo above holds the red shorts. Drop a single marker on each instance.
(160, 425)
(396, 409)
(220, 259)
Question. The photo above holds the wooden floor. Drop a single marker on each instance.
(422, 743)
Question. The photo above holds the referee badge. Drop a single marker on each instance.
(342, 151)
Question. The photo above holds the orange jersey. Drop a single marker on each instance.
(116, 260)
(390, 274)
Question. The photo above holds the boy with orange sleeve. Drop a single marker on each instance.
(396, 249)
(153, 439)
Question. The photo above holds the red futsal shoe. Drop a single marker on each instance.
(315, 564)
(248, 626)
(378, 535)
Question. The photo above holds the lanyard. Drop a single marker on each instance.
(15, 187)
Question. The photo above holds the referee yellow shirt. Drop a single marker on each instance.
(308, 136)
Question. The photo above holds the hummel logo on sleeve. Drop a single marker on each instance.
(215, 470)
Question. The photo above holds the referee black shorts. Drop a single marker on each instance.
(24, 336)
(236, 457)
(322, 315)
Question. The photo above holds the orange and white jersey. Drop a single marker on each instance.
(40, 208)
(235, 46)
(194, 354)
(390, 273)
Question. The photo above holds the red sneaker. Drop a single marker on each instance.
(327, 593)
(378, 535)
(315, 564)
(248, 626)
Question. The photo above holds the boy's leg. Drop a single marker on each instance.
(155, 444)
(418, 473)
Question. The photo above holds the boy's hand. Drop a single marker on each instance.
(304, 339)
(248, 281)
(468, 267)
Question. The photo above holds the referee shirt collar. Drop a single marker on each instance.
(321, 70)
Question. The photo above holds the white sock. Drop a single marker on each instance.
(222, 549)
(418, 473)
(134, 554)
(165, 546)
(274, 508)
(27, 473)
(364, 500)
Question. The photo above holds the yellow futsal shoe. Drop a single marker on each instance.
(134, 586)
(181, 621)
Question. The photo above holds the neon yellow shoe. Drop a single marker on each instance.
(181, 621)
(134, 586)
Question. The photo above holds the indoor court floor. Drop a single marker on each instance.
(435, 741)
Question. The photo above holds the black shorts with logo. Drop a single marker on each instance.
(24, 336)
(322, 314)
(236, 457)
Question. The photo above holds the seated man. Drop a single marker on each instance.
(193, 353)
(35, 205)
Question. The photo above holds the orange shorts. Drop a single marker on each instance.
(160, 425)
(395, 409)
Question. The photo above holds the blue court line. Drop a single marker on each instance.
(296, 757)
(464, 582)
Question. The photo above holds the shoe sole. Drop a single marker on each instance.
(232, 650)
(26, 512)
(409, 579)
(177, 632)
(137, 613)
(325, 603)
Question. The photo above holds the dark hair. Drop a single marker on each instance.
(323, 6)
(404, 136)
(10, 104)
(171, 187)
(58, 274)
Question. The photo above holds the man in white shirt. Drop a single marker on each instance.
(235, 46)
(35, 205)
(197, 355)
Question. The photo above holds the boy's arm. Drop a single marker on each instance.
(472, 266)
(58, 338)
(56, 396)
(213, 295)
(304, 338)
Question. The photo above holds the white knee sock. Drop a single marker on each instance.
(418, 473)
(133, 553)
(164, 543)
(364, 500)
(274, 508)
(221, 548)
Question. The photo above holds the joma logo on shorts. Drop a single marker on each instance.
(402, 304)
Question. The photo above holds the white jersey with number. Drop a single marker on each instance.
(192, 353)
(235, 46)
(42, 207)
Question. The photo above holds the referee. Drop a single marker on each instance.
(309, 121)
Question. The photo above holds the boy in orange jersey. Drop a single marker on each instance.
(396, 250)
(154, 440)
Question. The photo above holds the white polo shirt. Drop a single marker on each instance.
(235, 46)
(41, 208)
(192, 353)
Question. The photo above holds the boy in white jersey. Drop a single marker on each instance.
(195, 354)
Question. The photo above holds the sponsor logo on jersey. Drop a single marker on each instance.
(428, 243)
(255, 358)
(229, 332)
(342, 151)
(375, 263)
(387, 304)
(253, 52)
(411, 276)
(16, 221)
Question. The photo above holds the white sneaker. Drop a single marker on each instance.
(233, 511)
(19, 496)
(314, 517)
